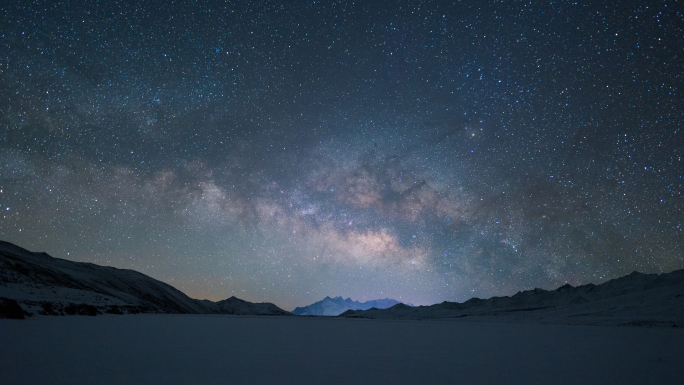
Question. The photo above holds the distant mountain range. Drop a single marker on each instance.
(39, 283)
(336, 306)
(635, 299)
(36, 283)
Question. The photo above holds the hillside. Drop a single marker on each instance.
(46, 285)
(635, 299)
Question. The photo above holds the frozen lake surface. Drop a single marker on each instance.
(220, 349)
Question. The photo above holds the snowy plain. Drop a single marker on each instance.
(220, 349)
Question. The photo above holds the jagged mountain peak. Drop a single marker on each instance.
(567, 286)
(337, 305)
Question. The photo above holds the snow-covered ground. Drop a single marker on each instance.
(224, 349)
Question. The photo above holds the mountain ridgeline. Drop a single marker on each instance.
(41, 284)
(36, 283)
(635, 299)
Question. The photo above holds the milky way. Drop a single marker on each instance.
(420, 151)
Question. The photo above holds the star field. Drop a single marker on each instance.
(282, 152)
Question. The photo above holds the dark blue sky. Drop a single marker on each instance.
(422, 151)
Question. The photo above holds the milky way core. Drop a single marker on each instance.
(284, 152)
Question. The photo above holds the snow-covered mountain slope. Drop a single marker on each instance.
(42, 284)
(336, 306)
(636, 299)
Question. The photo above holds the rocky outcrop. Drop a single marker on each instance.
(10, 309)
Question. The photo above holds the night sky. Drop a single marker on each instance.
(417, 150)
